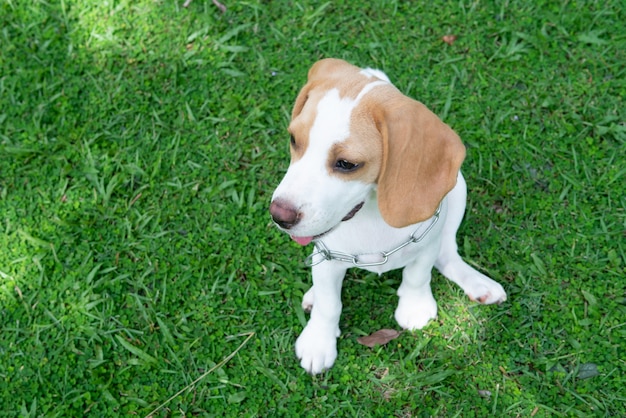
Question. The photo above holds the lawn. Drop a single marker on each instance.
(140, 142)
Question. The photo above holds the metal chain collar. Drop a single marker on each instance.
(360, 260)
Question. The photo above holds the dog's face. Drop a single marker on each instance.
(335, 159)
(352, 134)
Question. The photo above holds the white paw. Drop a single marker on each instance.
(482, 289)
(307, 300)
(414, 312)
(316, 348)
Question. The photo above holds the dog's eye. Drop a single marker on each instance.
(345, 165)
(292, 141)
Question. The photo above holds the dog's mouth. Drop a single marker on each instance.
(353, 212)
(307, 240)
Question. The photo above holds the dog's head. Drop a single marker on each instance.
(354, 134)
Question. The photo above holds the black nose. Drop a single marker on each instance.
(284, 213)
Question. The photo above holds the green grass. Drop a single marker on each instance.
(139, 146)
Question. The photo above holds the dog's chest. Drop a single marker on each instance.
(378, 247)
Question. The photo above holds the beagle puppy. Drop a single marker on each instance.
(374, 182)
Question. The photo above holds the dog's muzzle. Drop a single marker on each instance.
(286, 216)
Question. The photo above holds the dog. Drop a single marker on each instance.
(374, 182)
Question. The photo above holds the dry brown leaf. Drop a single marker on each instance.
(380, 337)
(449, 39)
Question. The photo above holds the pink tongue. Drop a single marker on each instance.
(302, 240)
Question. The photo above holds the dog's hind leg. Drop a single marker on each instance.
(476, 285)
(416, 305)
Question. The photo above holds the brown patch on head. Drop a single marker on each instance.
(323, 76)
(335, 73)
(363, 147)
(302, 118)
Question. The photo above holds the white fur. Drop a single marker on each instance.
(325, 200)
(371, 72)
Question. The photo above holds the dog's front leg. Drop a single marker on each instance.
(317, 345)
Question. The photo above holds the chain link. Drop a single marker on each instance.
(358, 259)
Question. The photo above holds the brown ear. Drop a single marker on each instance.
(421, 160)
